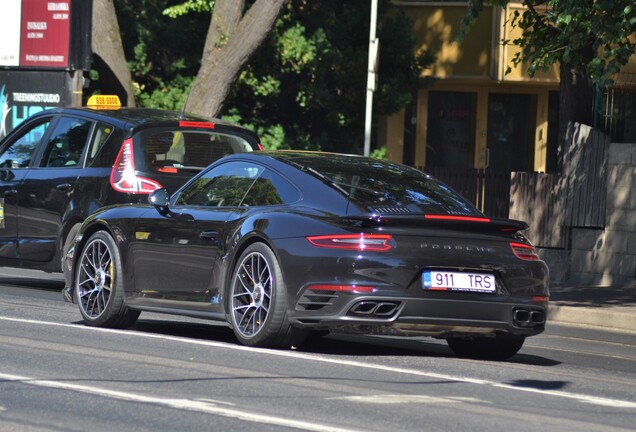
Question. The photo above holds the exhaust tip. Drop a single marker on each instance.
(527, 317)
(374, 309)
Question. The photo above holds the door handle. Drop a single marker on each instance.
(64, 187)
(209, 235)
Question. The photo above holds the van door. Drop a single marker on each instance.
(48, 192)
(16, 156)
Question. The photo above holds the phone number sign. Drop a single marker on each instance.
(36, 33)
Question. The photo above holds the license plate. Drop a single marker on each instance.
(456, 281)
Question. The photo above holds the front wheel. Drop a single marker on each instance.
(98, 283)
(486, 348)
(258, 301)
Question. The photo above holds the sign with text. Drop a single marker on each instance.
(24, 93)
(36, 33)
(10, 23)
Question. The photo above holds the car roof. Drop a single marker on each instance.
(138, 118)
(295, 157)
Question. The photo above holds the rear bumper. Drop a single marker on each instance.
(430, 317)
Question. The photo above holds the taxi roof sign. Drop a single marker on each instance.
(104, 102)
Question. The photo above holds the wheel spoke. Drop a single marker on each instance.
(95, 278)
(251, 294)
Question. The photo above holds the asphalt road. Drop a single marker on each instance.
(169, 373)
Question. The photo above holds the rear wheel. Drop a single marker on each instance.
(258, 301)
(486, 348)
(98, 283)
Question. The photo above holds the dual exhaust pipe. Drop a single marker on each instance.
(374, 309)
(527, 317)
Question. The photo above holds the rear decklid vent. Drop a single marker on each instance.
(390, 210)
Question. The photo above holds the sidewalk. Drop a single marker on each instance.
(613, 308)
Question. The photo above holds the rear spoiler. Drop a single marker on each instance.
(459, 222)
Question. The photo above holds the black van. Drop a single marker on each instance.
(62, 164)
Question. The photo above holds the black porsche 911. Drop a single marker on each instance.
(284, 244)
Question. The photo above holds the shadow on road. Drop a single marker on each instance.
(333, 344)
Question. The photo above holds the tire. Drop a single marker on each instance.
(258, 301)
(486, 348)
(99, 289)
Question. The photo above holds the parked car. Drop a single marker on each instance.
(62, 164)
(281, 243)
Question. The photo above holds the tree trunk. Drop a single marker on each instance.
(576, 102)
(108, 52)
(230, 42)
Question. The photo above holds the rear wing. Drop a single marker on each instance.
(457, 222)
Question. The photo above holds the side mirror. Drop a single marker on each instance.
(160, 198)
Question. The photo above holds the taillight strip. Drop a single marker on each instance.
(196, 124)
(342, 288)
(457, 218)
(524, 251)
(360, 242)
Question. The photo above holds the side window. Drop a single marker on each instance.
(270, 189)
(223, 186)
(103, 131)
(66, 143)
(19, 154)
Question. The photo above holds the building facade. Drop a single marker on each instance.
(478, 115)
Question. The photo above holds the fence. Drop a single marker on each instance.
(550, 203)
(489, 190)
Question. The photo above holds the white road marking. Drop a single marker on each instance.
(200, 406)
(615, 403)
(387, 399)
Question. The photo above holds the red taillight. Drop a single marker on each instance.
(260, 146)
(343, 288)
(542, 299)
(524, 251)
(196, 124)
(458, 218)
(123, 177)
(360, 242)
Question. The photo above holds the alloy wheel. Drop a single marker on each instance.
(251, 294)
(95, 278)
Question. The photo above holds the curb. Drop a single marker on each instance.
(613, 318)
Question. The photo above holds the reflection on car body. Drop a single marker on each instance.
(279, 244)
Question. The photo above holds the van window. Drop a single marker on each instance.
(19, 154)
(171, 151)
(66, 143)
(102, 132)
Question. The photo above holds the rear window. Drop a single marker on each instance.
(174, 151)
(385, 187)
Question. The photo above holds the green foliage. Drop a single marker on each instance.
(304, 88)
(380, 153)
(586, 34)
(171, 96)
(317, 56)
(272, 136)
(163, 58)
(187, 7)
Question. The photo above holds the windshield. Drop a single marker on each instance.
(383, 186)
